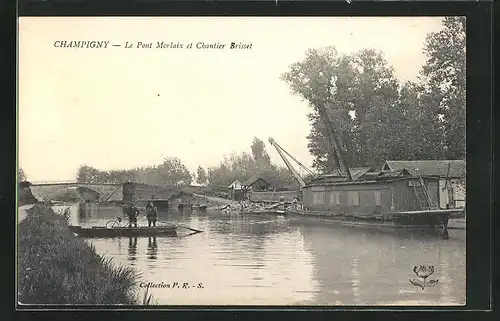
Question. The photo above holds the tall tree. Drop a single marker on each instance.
(201, 175)
(421, 126)
(21, 176)
(259, 153)
(172, 172)
(88, 174)
(357, 91)
(444, 79)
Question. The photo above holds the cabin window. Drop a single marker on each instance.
(353, 198)
(334, 198)
(317, 197)
(378, 198)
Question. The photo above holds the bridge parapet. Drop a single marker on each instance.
(68, 191)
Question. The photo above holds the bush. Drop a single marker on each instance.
(56, 267)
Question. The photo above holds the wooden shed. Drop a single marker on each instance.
(256, 184)
(235, 191)
(451, 175)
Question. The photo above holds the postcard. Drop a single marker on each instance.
(241, 161)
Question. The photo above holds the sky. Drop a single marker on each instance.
(119, 108)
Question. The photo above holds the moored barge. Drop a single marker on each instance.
(389, 199)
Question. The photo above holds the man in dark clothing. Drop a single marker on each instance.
(151, 213)
(132, 212)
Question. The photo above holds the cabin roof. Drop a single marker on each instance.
(356, 172)
(253, 180)
(368, 177)
(430, 167)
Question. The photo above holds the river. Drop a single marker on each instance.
(251, 260)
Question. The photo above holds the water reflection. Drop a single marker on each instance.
(152, 248)
(244, 259)
(359, 267)
(132, 248)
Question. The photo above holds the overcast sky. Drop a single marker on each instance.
(119, 108)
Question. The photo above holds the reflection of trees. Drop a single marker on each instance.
(360, 266)
(246, 235)
(87, 211)
(82, 213)
(250, 225)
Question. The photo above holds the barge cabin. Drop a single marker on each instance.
(371, 192)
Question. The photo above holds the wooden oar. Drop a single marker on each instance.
(186, 227)
(189, 228)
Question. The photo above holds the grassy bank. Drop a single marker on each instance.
(56, 267)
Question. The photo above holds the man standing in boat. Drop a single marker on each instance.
(151, 213)
(132, 212)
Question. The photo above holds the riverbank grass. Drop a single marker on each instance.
(56, 267)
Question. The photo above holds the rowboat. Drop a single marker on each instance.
(99, 231)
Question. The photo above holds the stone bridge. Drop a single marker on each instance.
(62, 190)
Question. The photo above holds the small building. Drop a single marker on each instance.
(235, 191)
(372, 193)
(256, 184)
(451, 175)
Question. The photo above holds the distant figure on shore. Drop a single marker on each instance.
(131, 212)
(151, 213)
(282, 201)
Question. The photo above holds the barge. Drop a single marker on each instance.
(389, 199)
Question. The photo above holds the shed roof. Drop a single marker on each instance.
(235, 185)
(253, 180)
(430, 167)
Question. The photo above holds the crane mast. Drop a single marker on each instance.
(294, 172)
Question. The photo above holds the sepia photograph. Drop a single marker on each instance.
(241, 161)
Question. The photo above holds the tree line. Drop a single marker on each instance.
(245, 166)
(172, 172)
(378, 118)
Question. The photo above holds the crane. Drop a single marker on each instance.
(294, 172)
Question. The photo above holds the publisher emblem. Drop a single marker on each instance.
(423, 272)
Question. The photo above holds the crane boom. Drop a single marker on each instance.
(281, 152)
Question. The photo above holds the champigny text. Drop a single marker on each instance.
(81, 44)
(153, 45)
